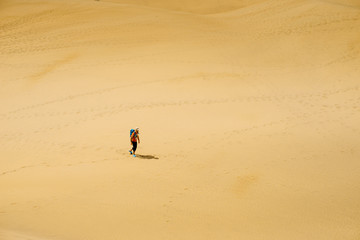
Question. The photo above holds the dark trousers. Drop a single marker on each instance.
(134, 146)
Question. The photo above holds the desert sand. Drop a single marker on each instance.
(248, 112)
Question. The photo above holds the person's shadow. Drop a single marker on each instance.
(146, 156)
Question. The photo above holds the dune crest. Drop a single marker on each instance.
(197, 6)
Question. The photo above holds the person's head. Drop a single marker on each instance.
(137, 130)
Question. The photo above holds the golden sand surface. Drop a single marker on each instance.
(248, 111)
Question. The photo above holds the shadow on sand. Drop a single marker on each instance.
(146, 156)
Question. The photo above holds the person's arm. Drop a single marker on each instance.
(138, 138)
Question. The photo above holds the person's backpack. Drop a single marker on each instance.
(131, 132)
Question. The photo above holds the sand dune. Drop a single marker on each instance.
(248, 113)
(197, 6)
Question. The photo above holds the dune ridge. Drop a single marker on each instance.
(196, 7)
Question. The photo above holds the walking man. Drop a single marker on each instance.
(134, 138)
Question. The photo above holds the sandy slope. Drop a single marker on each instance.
(248, 112)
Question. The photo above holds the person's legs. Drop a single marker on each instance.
(131, 149)
(134, 147)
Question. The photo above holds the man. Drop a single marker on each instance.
(134, 138)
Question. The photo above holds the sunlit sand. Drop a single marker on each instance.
(248, 111)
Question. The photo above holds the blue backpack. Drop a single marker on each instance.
(131, 132)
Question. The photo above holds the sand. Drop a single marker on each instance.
(248, 111)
